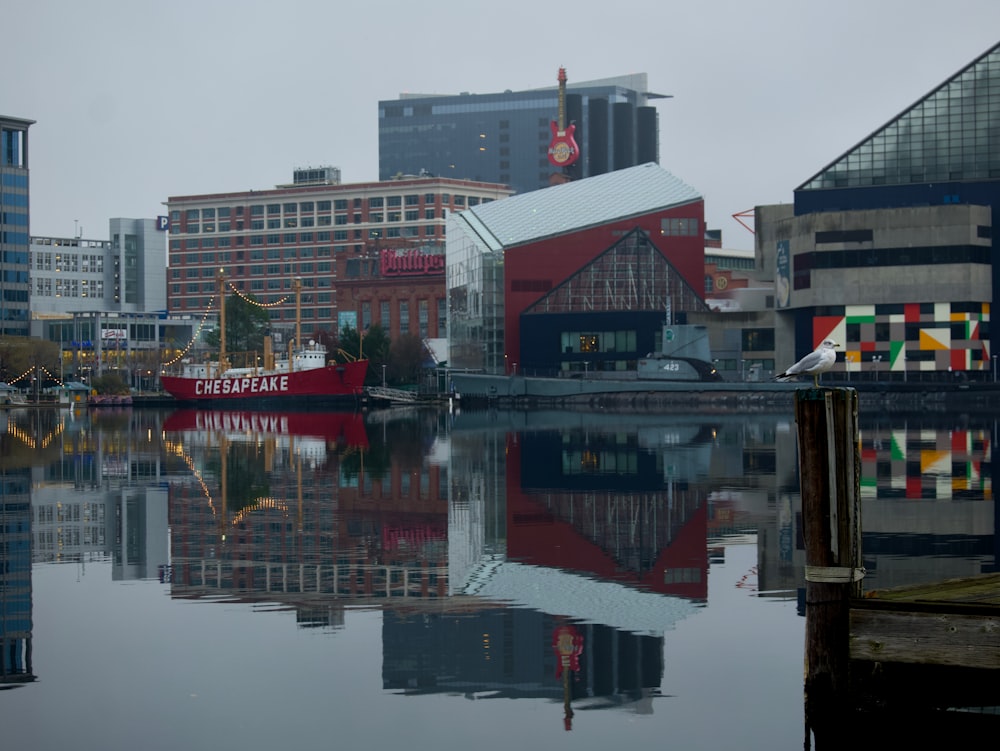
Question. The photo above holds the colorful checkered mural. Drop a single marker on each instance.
(926, 464)
(909, 337)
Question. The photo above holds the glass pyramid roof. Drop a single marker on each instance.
(572, 206)
(953, 133)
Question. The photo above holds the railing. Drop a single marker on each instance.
(397, 396)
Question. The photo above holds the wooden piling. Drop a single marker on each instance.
(830, 476)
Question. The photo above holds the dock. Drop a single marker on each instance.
(933, 646)
(892, 666)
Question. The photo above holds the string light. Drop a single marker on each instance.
(260, 504)
(57, 380)
(25, 374)
(197, 333)
(178, 450)
(28, 440)
(250, 300)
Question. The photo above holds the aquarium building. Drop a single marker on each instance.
(890, 248)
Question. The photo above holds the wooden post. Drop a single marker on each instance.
(830, 469)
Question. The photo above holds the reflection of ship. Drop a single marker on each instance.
(333, 427)
(301, 377)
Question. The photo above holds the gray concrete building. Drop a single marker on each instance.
(890, 248)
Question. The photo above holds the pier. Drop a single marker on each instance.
(891, 665)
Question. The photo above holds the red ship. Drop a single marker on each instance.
(302, 378)
(308, 382)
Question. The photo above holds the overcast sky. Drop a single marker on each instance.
(137, 101)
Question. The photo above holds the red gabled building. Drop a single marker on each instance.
(574, 277)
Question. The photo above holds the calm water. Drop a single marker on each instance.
(484, 580)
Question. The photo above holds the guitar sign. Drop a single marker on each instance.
(563, 150)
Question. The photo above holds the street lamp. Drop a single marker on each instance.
(876, 359)
(383, 375)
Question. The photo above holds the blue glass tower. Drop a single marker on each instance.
(14, 226)
(504, 137)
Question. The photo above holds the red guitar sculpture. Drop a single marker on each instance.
(563, 150)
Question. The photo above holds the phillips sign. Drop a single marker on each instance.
(413, 262)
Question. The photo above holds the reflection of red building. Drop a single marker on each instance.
(654, 538)
(283, 514)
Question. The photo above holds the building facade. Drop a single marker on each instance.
(890, 248)
(14, 226)
(366, 253)
(125, 274)
(505, 137)
(104, 301)
(577, 277)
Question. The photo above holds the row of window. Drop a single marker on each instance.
(804, 263)
(308, 207)
(48, 287)
(73, 262)
(325, 314)
(271, 269)
(592, 342)
(340, 220)
(309, 237)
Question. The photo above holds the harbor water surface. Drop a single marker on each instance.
(426, 579)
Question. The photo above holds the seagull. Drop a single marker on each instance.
(818, 361)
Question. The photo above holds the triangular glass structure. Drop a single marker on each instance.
(630, 275)
(953, 133)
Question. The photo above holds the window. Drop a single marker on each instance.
(422, 317)
(385, 319)
(679, 227)
(404, 316)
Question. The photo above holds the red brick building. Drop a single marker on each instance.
(365, 253)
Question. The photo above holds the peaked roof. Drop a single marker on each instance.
(573, 206)
(953, 133)
(630, 275)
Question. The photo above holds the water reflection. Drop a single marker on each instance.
(542, 554)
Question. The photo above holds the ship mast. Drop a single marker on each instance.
(297, 286)
(222, 321)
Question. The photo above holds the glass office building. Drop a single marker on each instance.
(14, 227)
(504, 137)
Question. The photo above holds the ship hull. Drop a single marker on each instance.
(330, 386)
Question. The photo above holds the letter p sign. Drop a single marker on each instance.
(162, 223)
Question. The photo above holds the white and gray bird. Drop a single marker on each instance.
(816, 362)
